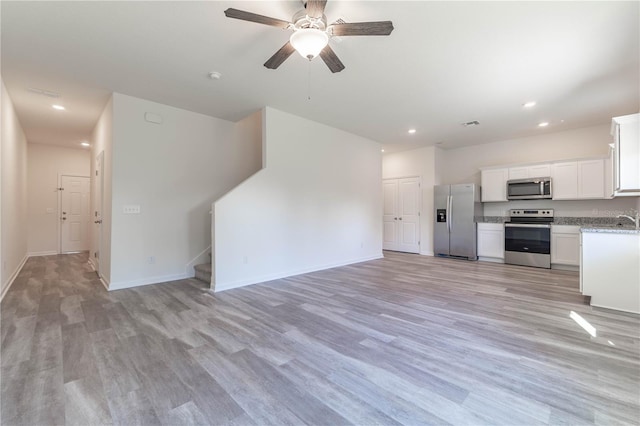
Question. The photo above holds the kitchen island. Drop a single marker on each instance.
(610, 267)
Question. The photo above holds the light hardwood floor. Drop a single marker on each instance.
(403, 340)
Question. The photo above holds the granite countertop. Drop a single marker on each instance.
(491, 219)
(611, 229)
(586, 224)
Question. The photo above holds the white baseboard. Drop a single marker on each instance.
(146, 281)
(13, 277)
(43, 253)
(103, 280)
(565, 267)
(426, 253)
(491, 259)
(276, 276)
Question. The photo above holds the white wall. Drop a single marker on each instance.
(418, 162)
(463, 165)
(173, 171)
(13, 157)
(45, 164)
(317, 204)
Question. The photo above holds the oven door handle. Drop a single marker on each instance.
(526, 225)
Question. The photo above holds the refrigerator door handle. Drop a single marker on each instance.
(450, 212)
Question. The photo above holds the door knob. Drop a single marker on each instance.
(64, 212)
(97, 221)
(395, 218)
(64, 218)
(400, 218)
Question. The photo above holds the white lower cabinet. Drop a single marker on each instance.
(610, 270)
(491, 241)
(565, 245)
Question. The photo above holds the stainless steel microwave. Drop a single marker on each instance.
(529, 189)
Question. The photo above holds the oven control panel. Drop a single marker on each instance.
(544, 213)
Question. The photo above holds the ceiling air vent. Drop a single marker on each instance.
(43, 92)
(470, 123)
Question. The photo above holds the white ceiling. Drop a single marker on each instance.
(445, 63)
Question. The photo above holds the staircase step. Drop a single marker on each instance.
(203, 272)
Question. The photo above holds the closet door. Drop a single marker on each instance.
(401, 215)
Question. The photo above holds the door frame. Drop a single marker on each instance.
(98, 237)
(59, 209)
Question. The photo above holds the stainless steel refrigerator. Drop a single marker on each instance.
(456, 209)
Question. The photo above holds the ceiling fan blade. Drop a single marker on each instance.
(280, 56)
(362, 28)
(254, 17)
(331, 59)
(315, 8)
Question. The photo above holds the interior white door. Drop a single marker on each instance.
(74, 214)
(409, 215)
(98, 188)
(401, 215)
(390, 214)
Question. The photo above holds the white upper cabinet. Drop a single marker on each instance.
(578, 180)
(626, 165)
(494, 184)
(518, 172)
(570, 180)
(564, 184)
(591, 179)
(524, 172)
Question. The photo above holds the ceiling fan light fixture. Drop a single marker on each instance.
(309, 42)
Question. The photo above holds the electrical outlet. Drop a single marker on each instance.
(151, 260)
(131, 209)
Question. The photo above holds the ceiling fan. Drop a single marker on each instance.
(311, 33)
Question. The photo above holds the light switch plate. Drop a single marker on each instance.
(131, 209)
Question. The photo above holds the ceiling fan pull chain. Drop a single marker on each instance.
(309, 83)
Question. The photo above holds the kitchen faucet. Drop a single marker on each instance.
(635, 220)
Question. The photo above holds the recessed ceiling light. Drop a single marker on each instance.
(382, 150)
(58, 107)
(215, 75)
(543, 124)
(412, 131)
(85, 144)
(529, 104)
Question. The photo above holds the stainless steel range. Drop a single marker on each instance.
(527, 238)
